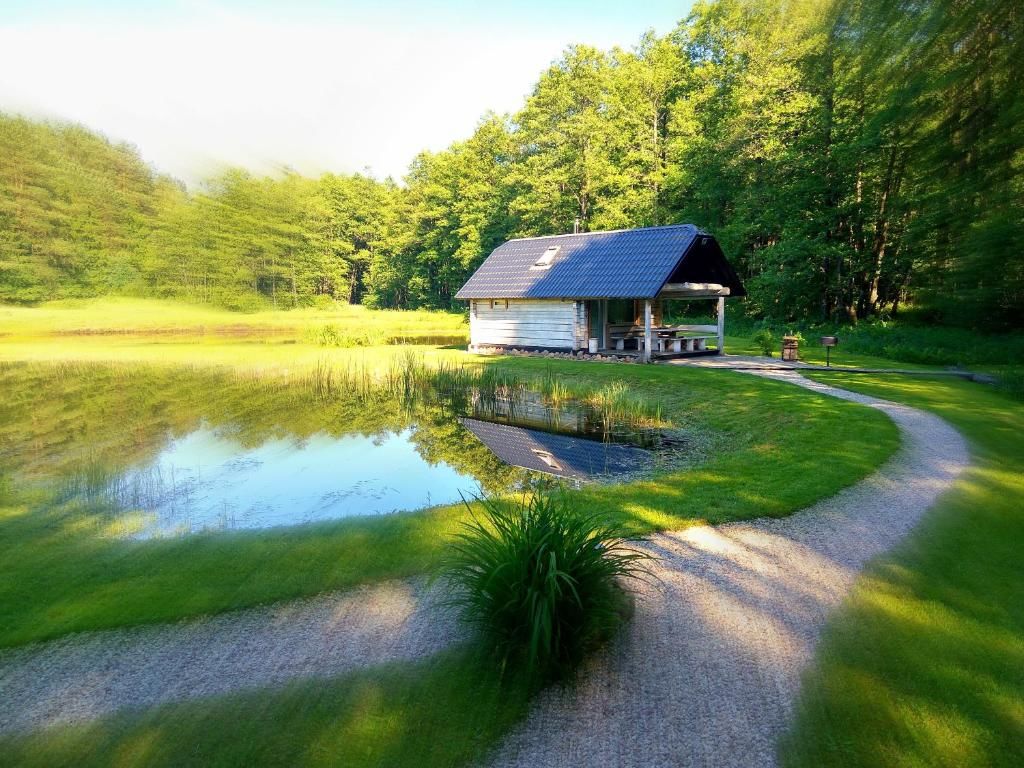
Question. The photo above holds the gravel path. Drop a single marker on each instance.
(705, 674)
(708, 671)
(85, 676)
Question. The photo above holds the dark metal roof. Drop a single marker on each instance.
(627, 264)
(572, 456)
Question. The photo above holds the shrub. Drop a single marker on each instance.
(765, 340)
(541, 582)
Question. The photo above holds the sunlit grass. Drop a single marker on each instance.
(925, 664)
(116, 315)
(761, 449)
(442, 712)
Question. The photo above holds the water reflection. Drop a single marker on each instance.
(557, 454)
(206, 480)
(196, 451)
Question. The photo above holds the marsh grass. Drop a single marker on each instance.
(540, 580)
(410, 379)
(335, 335)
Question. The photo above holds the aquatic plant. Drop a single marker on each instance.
(411, 380)
(554, 390)
(542, 582)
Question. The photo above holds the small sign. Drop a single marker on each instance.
(830, 341)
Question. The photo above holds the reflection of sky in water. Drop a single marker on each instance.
(208, 480)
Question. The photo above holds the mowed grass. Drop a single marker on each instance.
(767, 440)
(443, 712)
(924, 666)
(811, 351)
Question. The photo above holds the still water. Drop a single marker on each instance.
(207, 480)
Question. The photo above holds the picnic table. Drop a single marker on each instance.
(666, 339)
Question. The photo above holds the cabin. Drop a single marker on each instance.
(601, 292)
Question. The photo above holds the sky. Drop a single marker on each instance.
(357, 86)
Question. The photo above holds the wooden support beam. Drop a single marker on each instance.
(604, 323)
(721, 325)
(648, 336)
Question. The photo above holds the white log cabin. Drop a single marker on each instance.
(600, 292)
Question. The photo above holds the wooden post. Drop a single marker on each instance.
(604, 323)
(647, 331)
(721, 325)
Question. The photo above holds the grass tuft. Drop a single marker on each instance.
(541, 581)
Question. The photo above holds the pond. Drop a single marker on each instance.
(207, 480)
(155, 454)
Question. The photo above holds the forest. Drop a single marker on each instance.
(857, 159)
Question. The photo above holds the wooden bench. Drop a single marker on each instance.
(673, 342)
(665, 340)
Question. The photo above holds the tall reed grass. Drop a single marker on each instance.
(410, 379)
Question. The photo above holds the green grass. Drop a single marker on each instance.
(925, 664)
(812, 352)
(905, 343)
(764, 441)
(153, 317)
(103, 397)
(442, 712)
(541, 580)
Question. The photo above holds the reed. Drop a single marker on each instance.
(411, 380)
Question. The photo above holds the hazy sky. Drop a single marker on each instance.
(340, 86)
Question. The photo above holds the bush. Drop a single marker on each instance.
(541, 582)
(765, 340)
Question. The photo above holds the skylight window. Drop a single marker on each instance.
(546, 258)
(547, 458)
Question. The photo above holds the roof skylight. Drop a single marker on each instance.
(546, 258)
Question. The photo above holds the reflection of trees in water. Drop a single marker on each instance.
(95, 419)
(439, 437)
(73, 420)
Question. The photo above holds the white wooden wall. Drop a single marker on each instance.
(547, 323)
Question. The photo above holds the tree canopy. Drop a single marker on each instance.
(853, 157)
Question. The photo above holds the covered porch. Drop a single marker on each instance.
(637, 327)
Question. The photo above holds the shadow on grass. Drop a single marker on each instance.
(442, 712)
(925, 664)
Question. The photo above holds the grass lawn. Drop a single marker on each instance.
(442, 712)
(767, 439)
(812, 352)
(924, 666)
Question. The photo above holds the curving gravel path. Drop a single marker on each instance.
(708, 670)
(85, 676)
(705, 675)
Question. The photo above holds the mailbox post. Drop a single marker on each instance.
(828, 342)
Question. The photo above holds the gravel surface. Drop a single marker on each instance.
(85, 676)
(708, 670)
(705, 675)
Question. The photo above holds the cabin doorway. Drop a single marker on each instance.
(597, 321)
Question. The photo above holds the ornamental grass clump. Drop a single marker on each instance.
(542, 582)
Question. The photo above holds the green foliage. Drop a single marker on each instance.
(540, 580)
(853, 157)
(765, 340)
